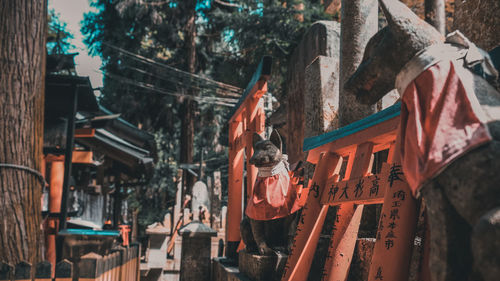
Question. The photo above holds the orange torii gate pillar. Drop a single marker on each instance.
(247, 118)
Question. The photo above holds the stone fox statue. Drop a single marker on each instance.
(449, 136)
(271, 210)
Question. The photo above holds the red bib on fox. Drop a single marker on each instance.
(273, 195)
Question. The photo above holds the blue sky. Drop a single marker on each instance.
(71, 12)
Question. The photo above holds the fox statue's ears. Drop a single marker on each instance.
(276, 139)
(407, 26)
(256, 139)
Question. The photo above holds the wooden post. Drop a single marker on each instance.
(64, 271)
(55, 198)
(90, 267)
(396, 231)
(6, 271)
(68, 156)
(43, 271)
(22, 271)
(235, 185)
(311, 221)
(255, 122)
(120, 261)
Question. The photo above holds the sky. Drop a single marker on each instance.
(71, 12)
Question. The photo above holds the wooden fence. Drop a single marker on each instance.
(122, 264)
(356, 145)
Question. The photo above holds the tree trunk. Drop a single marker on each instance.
(22, 74)
(189, 105)
(435, 15)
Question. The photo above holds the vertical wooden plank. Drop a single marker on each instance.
(22, 271)
(235, 186)
(64, 271)
(43, 271)
(105, 268)
(6, 271)
(112, 259)
(328, 165)
(90, 267)
(345, 231)
(396, 230)
(138, 263)
(119, 262)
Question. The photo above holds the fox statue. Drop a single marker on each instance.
(271, 210)
(449, 136)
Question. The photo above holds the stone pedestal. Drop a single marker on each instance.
(195, 257)
(156, 254)
(359, 23)
(261, 268)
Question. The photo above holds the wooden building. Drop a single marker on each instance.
(91, 158)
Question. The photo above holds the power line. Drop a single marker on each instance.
(146, 86)
(226, 89)
(170, 80)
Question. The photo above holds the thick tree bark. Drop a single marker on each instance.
(189, 105)
(22, 74)
(435, 14)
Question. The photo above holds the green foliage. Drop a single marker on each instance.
(259, 28)
(58, 36)
(232, 37)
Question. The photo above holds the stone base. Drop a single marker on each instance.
(224, 270)
(261, 268)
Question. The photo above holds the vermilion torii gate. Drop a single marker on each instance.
(247, 118)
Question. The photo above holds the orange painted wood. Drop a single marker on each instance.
(346, 226)
(380, 135)
(258, 90)
(51, 158)
(255, 121)
(235, 184)
(298, 263)
(307, 255)
(82, 157)
(56, 185)
(396, 231)
(361, 190)
(84, 133)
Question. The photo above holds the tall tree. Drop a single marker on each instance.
(22, 71)
(189, 105)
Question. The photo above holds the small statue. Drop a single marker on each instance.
(272, 208)
(449, 136)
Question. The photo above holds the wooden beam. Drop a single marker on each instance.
(82, 157)
(85, 133)
(361, 190)
(380, 135)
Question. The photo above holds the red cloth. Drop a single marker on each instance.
(268, 200)
(439, 123)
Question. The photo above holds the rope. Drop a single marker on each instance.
(27, 169)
